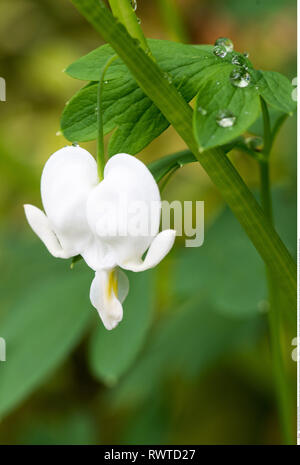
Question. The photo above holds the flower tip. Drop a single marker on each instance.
(110, 325)
(28, 209)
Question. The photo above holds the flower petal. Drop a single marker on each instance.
(104, 288)
(68, 177)
(159, 248)
(128, 197)
(98, 255)
(42, 228)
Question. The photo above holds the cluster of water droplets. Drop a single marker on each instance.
(239, 77)
(168, 77)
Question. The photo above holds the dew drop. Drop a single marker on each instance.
(59, 133)
(246, 54)
(220, 51)
(75, 144)
(254, 143)
(226, 43)
(238, 60)
(139, 20)
(225, 119)
(134, 4)
(240, 78)
(168, 77)
(202, 111)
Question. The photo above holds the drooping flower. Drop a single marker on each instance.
(111, 223)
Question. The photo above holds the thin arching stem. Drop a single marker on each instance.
(101, 160)
(280, 375)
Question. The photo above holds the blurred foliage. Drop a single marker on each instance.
(190, 362)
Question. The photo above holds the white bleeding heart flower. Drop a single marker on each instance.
(101, 221)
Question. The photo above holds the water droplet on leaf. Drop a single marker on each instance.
(246, 54)
(225, 119)
(134, 4)
(254, 143)
(226, 43)
(202, 111)
(168, 77)
(238, 60)
(220, 51)
(240, 78)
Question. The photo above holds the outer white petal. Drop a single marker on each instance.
(68, 177)
(127, 183)
(98, 255)
(159, 248)
(41, 226)
(103, 296)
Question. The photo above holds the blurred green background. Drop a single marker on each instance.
(190, 362)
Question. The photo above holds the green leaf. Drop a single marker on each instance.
(170, 55)
(276, 90)
(125, 106)
(216, 95)
(40, 330)
(112, 352)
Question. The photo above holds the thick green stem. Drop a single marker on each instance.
(157, 86)
(124, 12)
(283, 394)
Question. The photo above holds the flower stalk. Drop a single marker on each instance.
(101, 160)
(125, 13)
